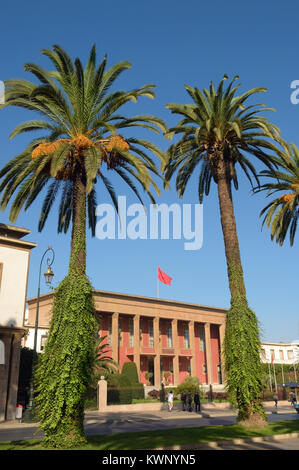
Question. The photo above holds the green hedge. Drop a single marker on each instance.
(119, 390)
(129, 371)
(137, 391)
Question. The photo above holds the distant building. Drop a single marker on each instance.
(170, 339)
(282, 353)
(28, 340)
(14, 266)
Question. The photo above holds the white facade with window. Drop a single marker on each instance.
(14, 267)
(28, 340)
(282, 353)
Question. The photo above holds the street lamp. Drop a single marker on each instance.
(48, 279)
(48, 275)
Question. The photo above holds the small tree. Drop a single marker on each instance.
(148, 376)
(167, 375)
(190, 385)
(103, 360)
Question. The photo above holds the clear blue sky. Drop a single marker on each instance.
(171, 43)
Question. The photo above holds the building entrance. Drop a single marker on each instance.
(150, 365)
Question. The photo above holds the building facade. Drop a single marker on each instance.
(168, 339)
(282, 353)
(14, 266)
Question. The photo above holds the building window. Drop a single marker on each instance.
(120, 332)
(204, 366)
(169, 336)
(140, 330)
(151, 333)
(219, 374)
(281, 354)
(131, 327)
(290, 354)
(263, 354)
(272, 354)
(43, 340)
(186, 337)
(202, 339)
(110, 330)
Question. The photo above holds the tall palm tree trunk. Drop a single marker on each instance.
(78, 243)
(241, 343)
(231, 242)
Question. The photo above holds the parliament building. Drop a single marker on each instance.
(168, 340)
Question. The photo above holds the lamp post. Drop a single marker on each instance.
(48, 279)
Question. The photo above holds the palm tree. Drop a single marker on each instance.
(282, 212)
(103, 360)
(219, 132)
(81, 146)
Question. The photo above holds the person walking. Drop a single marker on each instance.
(293, 399)
(275, 398)
(183, 400)
(197, 402)
(170, 400)
(189, 400)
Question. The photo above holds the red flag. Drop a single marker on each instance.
(272, 358)
(164, 277)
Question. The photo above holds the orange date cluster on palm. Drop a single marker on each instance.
(110, 154)
(77, 146)
(287, 197)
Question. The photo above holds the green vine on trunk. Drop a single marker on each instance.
(242, 355)
(64, 371)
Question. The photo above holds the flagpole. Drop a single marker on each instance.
(270, 377)
(282, 373)
(274, 373)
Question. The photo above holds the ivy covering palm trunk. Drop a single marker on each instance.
(82, 146)
(219, 132)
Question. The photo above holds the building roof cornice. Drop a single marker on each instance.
(132, 297)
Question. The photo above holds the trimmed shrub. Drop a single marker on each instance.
(137, 391)
(119, 390)
(129, 371)
(220, 396)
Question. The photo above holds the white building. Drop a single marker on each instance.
(28, 340)
(282, 353)
(14, 267)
